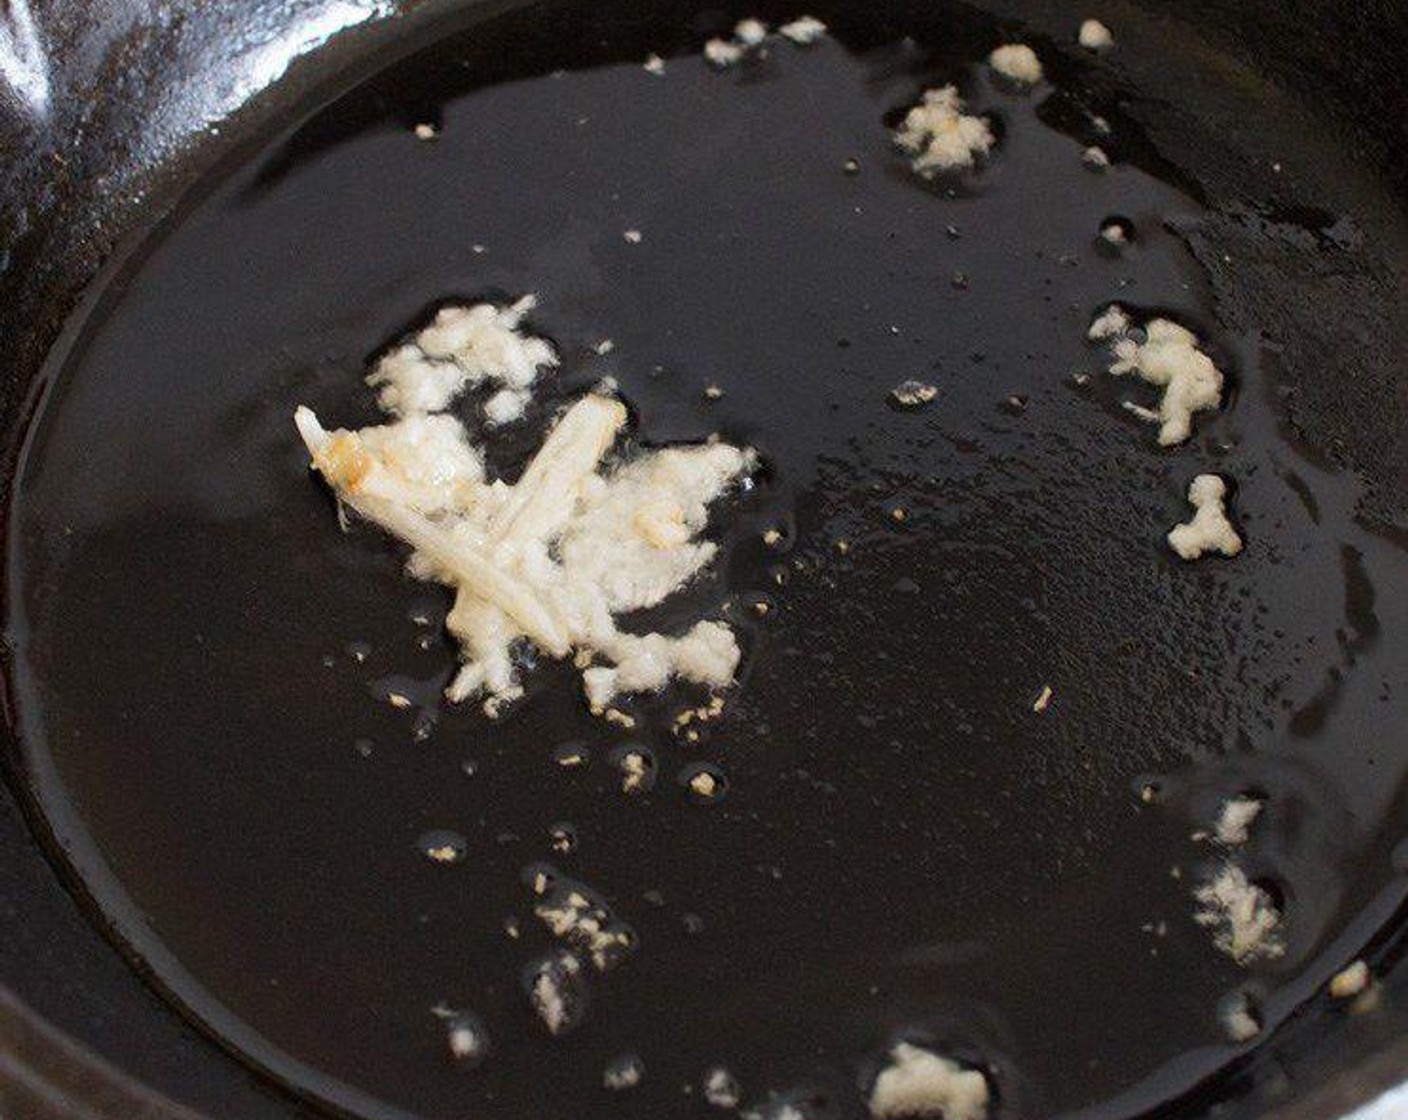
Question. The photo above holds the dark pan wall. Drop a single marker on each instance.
(112, 105)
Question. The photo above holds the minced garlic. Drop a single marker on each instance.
(1113, 322)
(920, 1083)
(505, 406)
(1168, 357)
(625, 1072)
(803, 30)
(467, 1040)
(429, 457)
(750, 32)
(1350, 981)
(557, 992)
(463, 347)
(913, 393)
(574, 914)
(940, 136)
(637, 772)
(1245, 922)
(1017, 62)
(1239, 1017)
(1095, 36)
(721, 1088)
(618, 717)
(554, 557)
(1113, 233)
(722, 53)
(1209, 530)
(1235, 820)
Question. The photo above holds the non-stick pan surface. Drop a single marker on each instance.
(1270, 215)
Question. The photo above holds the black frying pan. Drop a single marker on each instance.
(112, 111)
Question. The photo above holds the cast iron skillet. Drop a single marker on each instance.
(108, 109)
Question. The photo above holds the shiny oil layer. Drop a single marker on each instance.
(906, 847)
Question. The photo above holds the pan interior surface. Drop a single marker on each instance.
(911, 846)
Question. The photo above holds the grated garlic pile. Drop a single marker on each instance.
(920, 1083)
(1209, 530)
(580, 917)
(1167, 357)
(1095, 36)
(750, 34)
(556, 992)
(804, 30)
(1239, 1018)
(1018, 62)
(940, 136)
(464, 347)
(554, 557)
(1235, 821)
(1245, 922)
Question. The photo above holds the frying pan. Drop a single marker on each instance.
(109, 109)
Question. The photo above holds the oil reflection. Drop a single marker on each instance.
(23, 64)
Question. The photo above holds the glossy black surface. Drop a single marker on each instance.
(973, 870)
